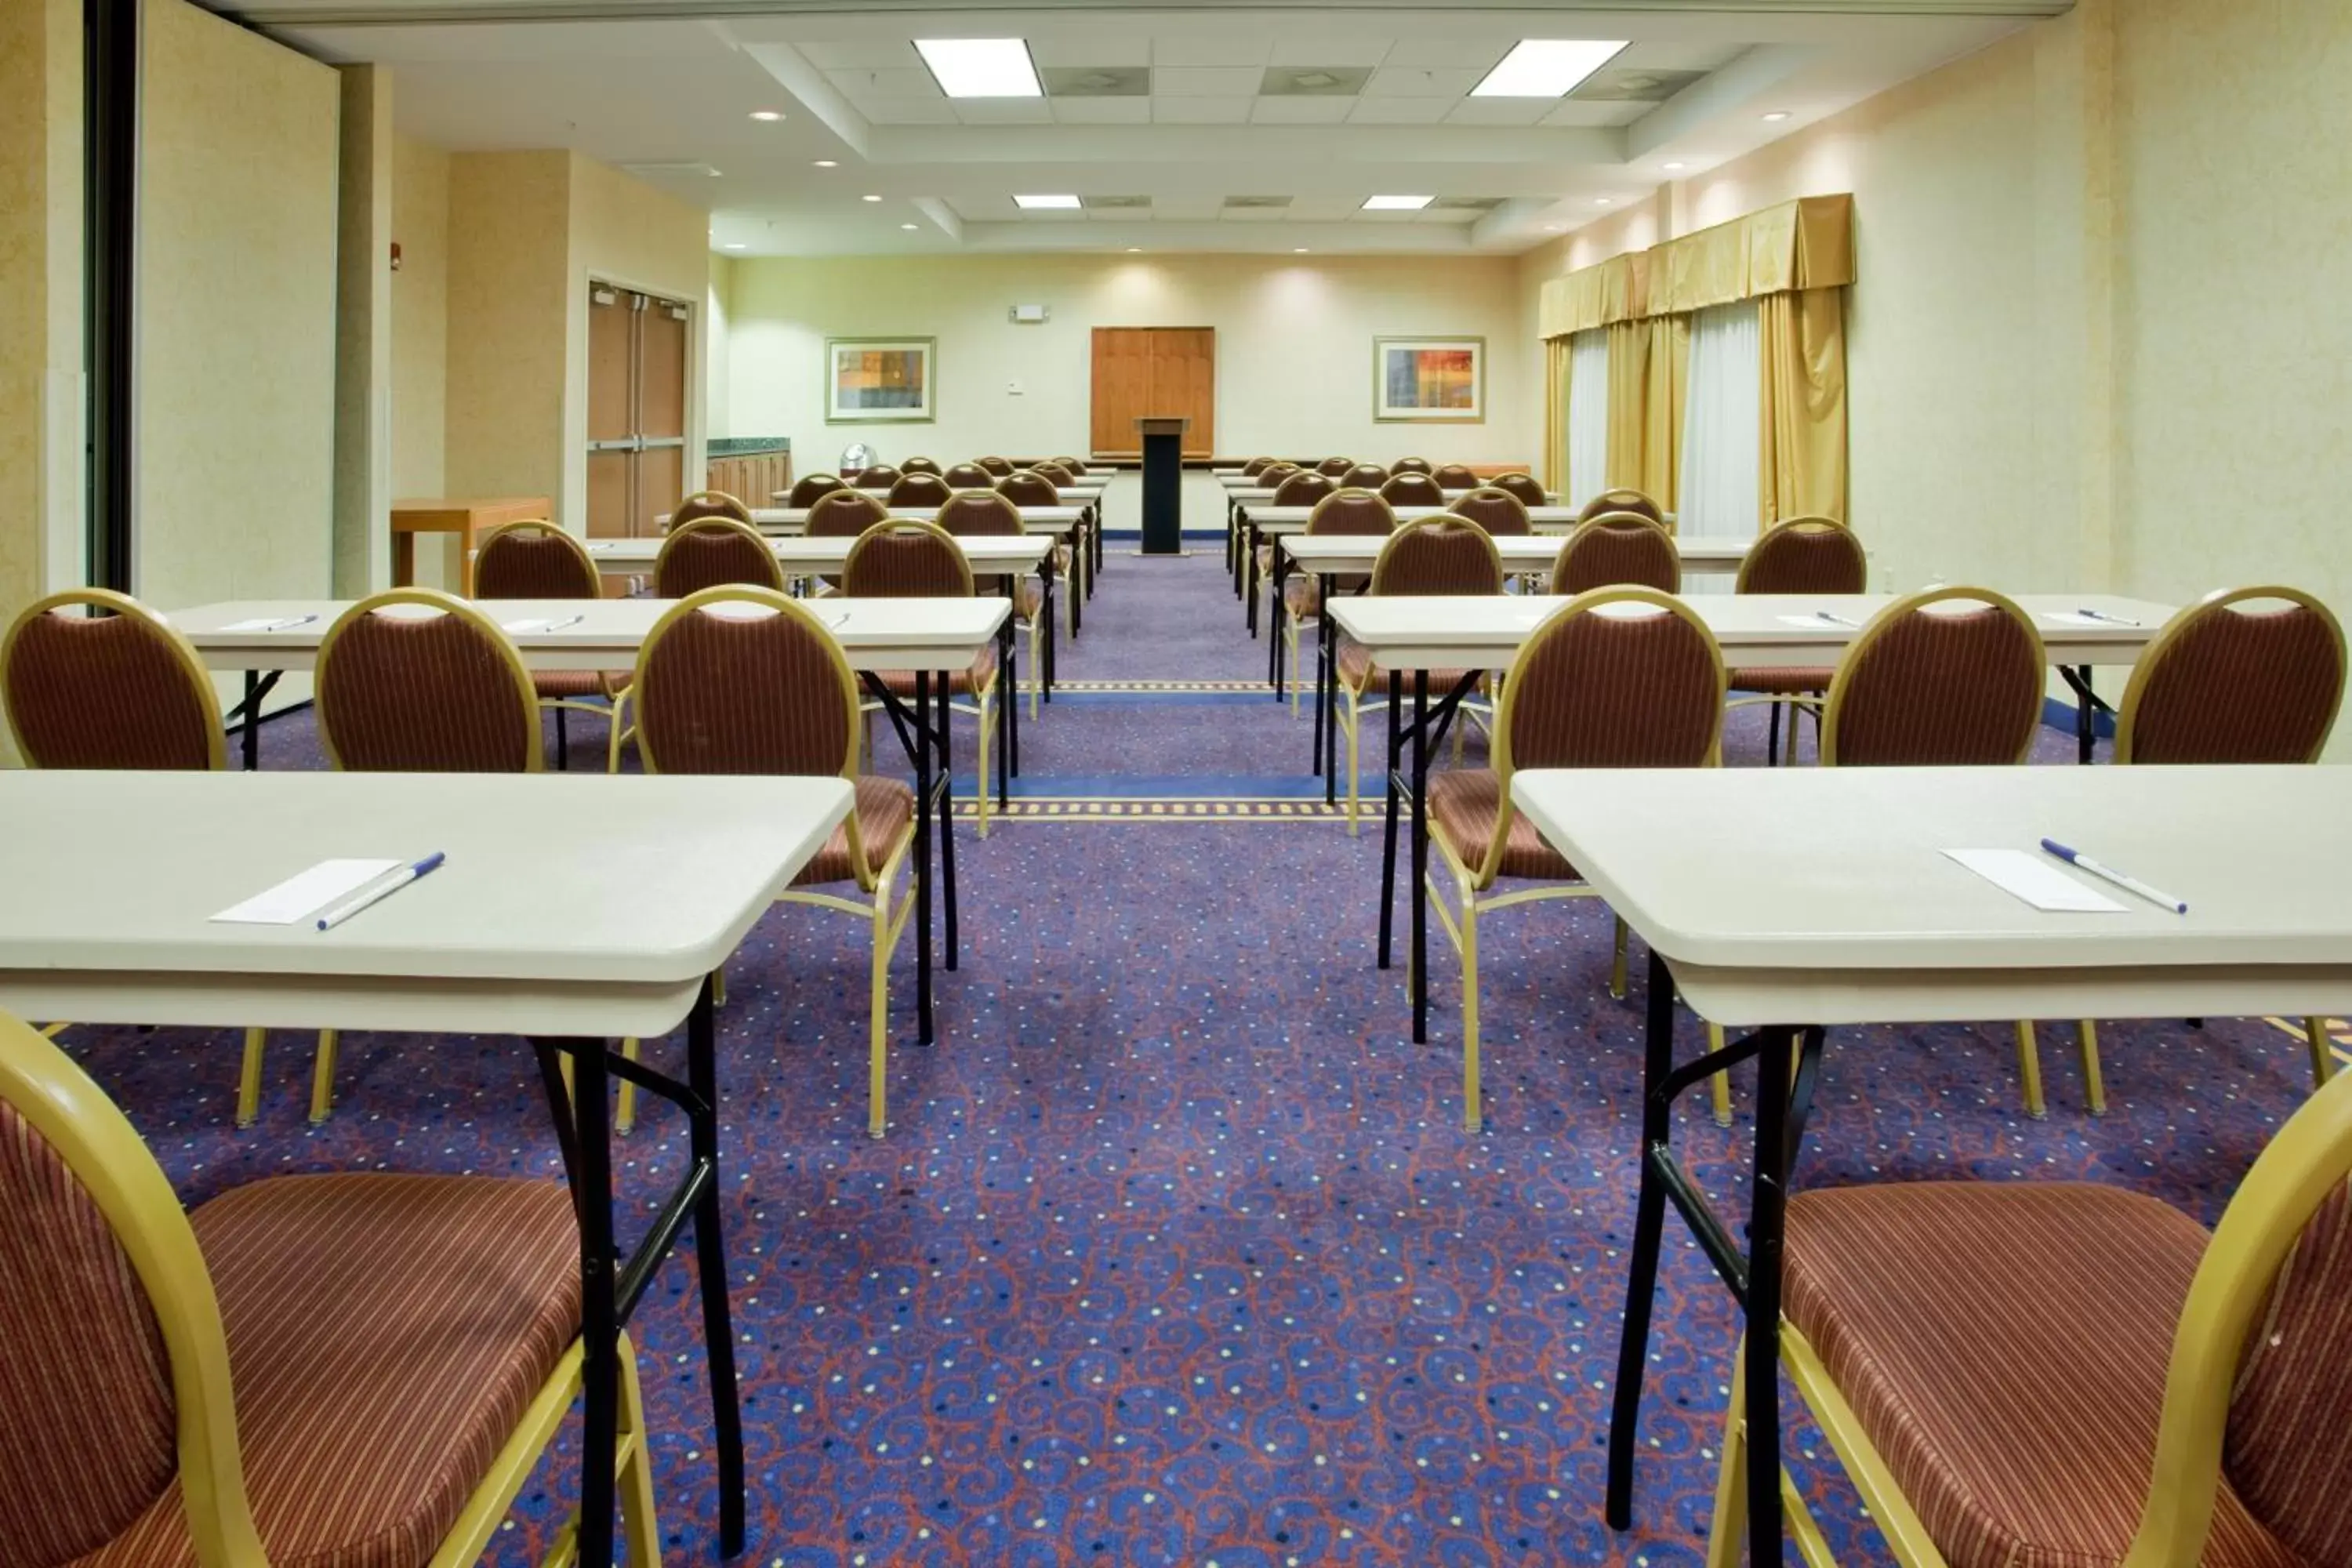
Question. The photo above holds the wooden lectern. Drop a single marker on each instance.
(1163, 483)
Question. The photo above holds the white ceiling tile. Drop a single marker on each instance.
(1252, 215)
(1435, 214)
(1200, 110)
(915, 83)
(1577, 113)
(1322, 209)
(908, 111)
(1361, 216)
(1004, 110)
(984, 209)
(1458, 49)
(1337, 49)
(1229, 47)
(1499, 110)
(1090, 50)
(1692, 55)
(862, 54)
(1301, 111)
(1101, 111)
(1415, 82)
(1188, 81)
(1400, 110)
(1186, 209)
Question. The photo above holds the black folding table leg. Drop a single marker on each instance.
(592, 1196)
(1761, 1375)
(1388, 847)
(922, 716)
(710, 1264)
(1421, 857)
(947, 816)
(251, 739)
(1649, 1227)
(2086, 717)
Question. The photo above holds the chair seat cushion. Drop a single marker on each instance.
(1463, 805)
(573, 683)
(385, 1334)
(886, 814)
(961, 683)
(1357, 670)
(1789, 680)
(2004, 1345)
(1302, 593)
(1030, 599)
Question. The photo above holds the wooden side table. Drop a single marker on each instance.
(466, 519)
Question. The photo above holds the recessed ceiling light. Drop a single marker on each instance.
(1555, 228)
(870, 198)
(1600, 201)
(906, 225)
(1676, 164)
(1777, 116)
(826, 163)
(768, 114)
(1396, 204)
(730, 246)
(1135, 250)
(981, 67)
(1545, 68)
(1298, 250)
(1045, 203)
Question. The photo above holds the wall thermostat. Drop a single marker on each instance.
(1027, 315)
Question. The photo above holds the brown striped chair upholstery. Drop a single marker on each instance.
(1054, 473)
(120, 689)
(1441, 556)
(1413, 490)
(1365, 477)
(341, 1370)
(880, 476)
(1295, 487)
(745, 680)
(978, 514)
(1342, 511)
(2031, 1375)
(1411, 466)
(1949, 677)
(845, 514)
(1498, 512)
(1617, 548)
(969, 476)
(709, 503)
(1335, 467)
(919, 465)
(2230, 682)
(996, 467)
(712, 551)
(805, 492)
(1273, 474)
(904, 560)
(1621, 500)
(1256, 466)
(1456, 477)
(1797, 555)
(1523, 486)
(1074, 467)
(1619, 678)
(917, 489)
(537, 560)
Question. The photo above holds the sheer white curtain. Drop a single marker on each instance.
(1722, 420)
(1588, 416)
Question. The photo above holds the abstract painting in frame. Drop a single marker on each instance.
(1429, 380)
(870, 380)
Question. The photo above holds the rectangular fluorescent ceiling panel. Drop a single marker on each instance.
(1045, 203)
(1545, 68)
(1396, 204)
(982, 67)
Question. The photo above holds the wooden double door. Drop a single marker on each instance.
(1148, 371)
(636, 410)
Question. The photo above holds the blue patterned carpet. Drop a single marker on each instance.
(1175, 1253)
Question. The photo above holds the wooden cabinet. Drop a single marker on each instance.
(751, 477)
(1142, 373)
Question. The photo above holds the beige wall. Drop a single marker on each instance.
(718, 363)
(508, 231)
(420, 337)
(236, 313)
(1294, 347)
(364, 336)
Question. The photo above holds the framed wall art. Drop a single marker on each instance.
(879, 380)
(1429, 380)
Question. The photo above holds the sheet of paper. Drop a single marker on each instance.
(270, 623)
(1818, 623)
(2037, 879)
(538, 625)
(2077, 618)
(307, 892)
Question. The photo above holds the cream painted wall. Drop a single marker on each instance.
(364, 336)
(1294, 347)
(718, 365)
(236, 313)
(420, 336)
(508, 228)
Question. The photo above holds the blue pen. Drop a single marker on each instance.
(2109, 873)
(2089, 613)
(392, 884)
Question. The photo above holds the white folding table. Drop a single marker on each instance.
(570, 910)
(1848, 913)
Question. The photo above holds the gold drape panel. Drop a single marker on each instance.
(1798, 246)
(1803, 451)
(1557, 355)
(1649, 377)
(1629, 400)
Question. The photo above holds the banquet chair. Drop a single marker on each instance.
(1335, 467)
(2054, 1373)
(984, 513)
(920, 489)
(807, 491)
(709, 503)
(349, 1371)
(1413, 490)
(1798, 555)
(880, 476)
(1083, 539)
(744, 680)
(1616, 548)
(1075, 467)
(1928, 682)
(921, 560)
(1498, 512)
(1295, 487)
(1256, 466)
(1054, 472)
(117, 690)
(2226, 683)
(1365, 477)
(995, 467)
(1623, 499)
(968, 477)
(1343, 511)
(1438, 556)
(534, 559)
(1525, 487)
(1411, 466)
(1619, 678)
(920, 466)
(713, 551)
(1456, 477)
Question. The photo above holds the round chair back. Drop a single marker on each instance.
(919, 465)
(1617, 549)
(121, 689)
(845, 514)
(1438, 556)
(920, 489)
(1456, 477)
(979, 513)
(712, 551)
(1071, 466)
(1622, 501)
(1620, 678)
(1256, 466)
(744, 680)
(806, 490)
(1413, 490)
(417, 681)
(996, 467)
(1365, 477)
(1054, 472)
(1351, 512)
(1303, 490)
(1335, 467)
(1951, 678)
(1498, 512)
(968, 477)
(904, 560)
(1805, 555)
(2225, 682)
(1028, 489)
(1273, 474)
(1522, 487)
(534, 560)
(709, 503)
(879, 477)
(1411, 466)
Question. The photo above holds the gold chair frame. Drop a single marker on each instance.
(983, 706)
(1034, 626)
(615, 692)
(1611, 522)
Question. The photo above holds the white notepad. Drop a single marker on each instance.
(2037, 879)
(270, 623)
(2077, 618)
(1820, 623)
(307, 892)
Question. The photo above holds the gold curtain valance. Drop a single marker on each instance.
(1796, 246)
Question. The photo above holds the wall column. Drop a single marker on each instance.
(364, 336)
